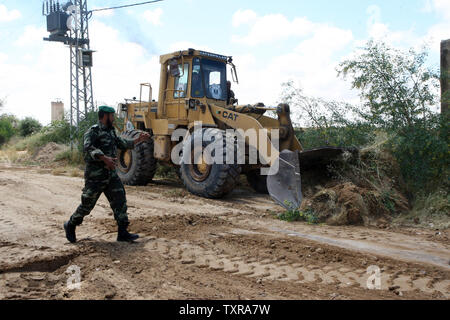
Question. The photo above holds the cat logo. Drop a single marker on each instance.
(230, 115)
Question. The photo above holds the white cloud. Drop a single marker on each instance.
(313, 63)
(270, 28)
(119, 67)
(437, 33)
(3, 57)
(184, 45)
(153, 16)
(29, 87)
(103, 13)
(8, 15)
(40, 73)
(375, 28)
(442, 7)
(31, 35)
(243, 17)
(378, 30)
(441, 30)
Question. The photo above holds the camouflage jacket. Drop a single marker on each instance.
(98, 141)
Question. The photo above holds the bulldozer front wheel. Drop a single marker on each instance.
(257, 181)
(214, 180)
(136, 167)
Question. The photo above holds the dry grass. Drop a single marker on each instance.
(432, 211)
(11, 155)
(67, 171)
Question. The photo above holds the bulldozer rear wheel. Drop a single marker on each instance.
(136, 167)
(257, 181)
(212, 181)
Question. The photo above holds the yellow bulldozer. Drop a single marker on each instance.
(199, 127)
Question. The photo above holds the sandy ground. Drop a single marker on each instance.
(194, 248)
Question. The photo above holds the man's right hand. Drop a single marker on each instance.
(110, 163)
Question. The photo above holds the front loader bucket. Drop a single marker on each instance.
(285, 186)
(320, 157)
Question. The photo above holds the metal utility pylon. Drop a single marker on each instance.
(81, 97)
(68, 23)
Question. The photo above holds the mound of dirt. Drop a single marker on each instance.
(47, 153)
(348, 204)
(363, 192)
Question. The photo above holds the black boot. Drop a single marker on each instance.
(70, 232)
(124, 236)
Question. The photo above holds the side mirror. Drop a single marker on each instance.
(174, 68)
(234, 73)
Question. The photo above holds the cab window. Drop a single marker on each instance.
(197, 86)
(181, 82)
(215, 79)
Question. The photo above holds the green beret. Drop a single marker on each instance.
(106, 109)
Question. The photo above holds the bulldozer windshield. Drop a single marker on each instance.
(214, 75)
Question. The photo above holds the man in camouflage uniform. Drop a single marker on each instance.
(100, 148)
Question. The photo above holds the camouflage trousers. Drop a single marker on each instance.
(114, 191)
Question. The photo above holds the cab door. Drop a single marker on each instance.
(177, 92)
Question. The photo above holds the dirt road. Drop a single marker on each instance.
(193, 248)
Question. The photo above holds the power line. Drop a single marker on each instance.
(126, 6)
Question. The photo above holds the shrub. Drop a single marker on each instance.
(28, 126)
(396, 87)
(57, 132)
(8, 125)
(329, 123)
(398, 91)
(422, 151)
(90, 119)
(72, 157)
(296, 215)
(6, 130)
(354, 135)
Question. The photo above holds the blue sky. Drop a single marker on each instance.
(272, 41)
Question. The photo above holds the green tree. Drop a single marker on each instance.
(90, 119)
(397, 88)
(11, 118)
(398, 91)
(28, 126)
(6, 130)
(329, 123)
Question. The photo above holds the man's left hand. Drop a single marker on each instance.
(143, 137)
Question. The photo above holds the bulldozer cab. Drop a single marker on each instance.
(193, 75)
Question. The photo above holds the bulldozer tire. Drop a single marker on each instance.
(136, 167)
(210, 181)
(257, 181)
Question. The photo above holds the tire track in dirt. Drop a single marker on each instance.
(200, 248)
(269, 269)
(375, 242)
